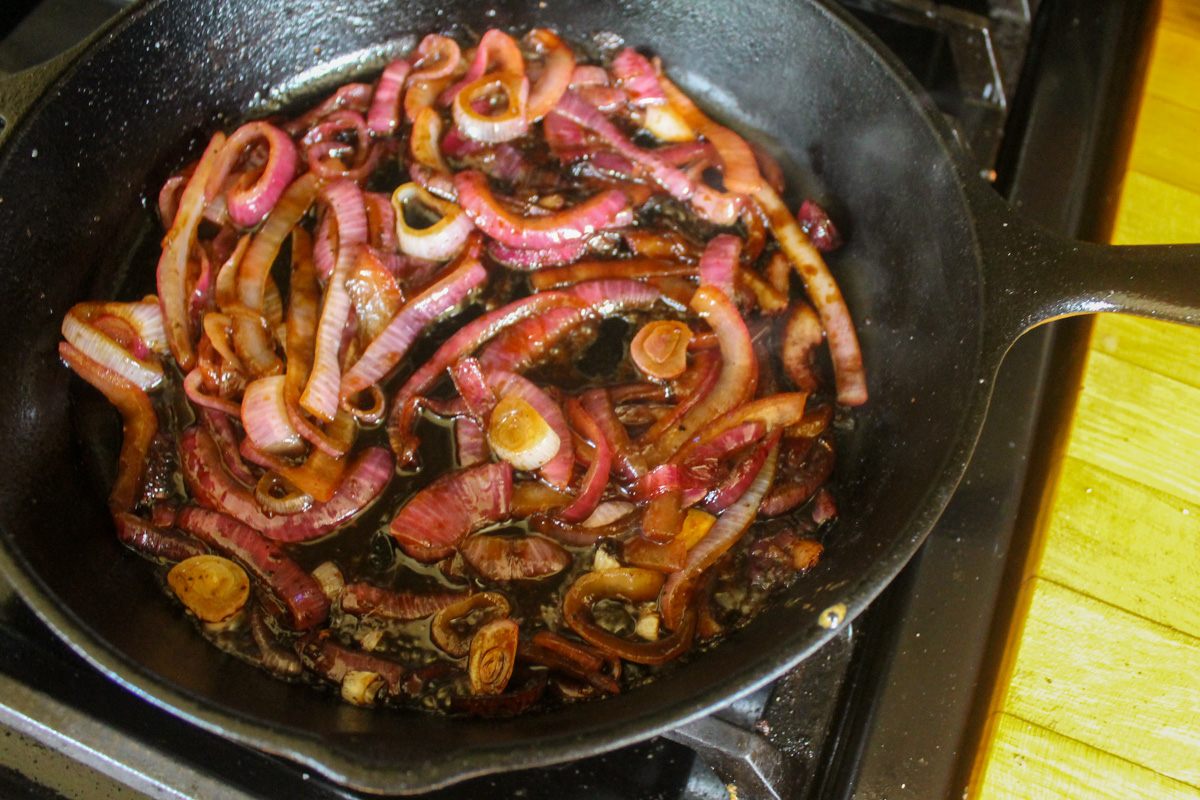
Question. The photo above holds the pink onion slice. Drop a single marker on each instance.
(508, 558)
(297, 592)
(265, 417)
(500, 126)
(523, 343)
(464, 341)
(384, 115)
(719, 264)
(320, 396)
(738, 482)
(177, 248)
(626, 459)
(526, 258)
(472, 385)
(557, 471)
(249, 204)
(826, 296)
(552, 230)
(364, 481)
(365, 599)
(470, 443)
(495, 48)
(595, 480)
(556, 74)
(637, 76)
(389, 347)
(438, 517)
(437, 241)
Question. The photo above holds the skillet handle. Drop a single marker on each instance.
(1033, 275)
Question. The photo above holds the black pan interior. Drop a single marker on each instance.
(77, 179)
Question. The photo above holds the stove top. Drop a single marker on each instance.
(894, 704)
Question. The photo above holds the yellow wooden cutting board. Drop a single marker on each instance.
(1100, 694)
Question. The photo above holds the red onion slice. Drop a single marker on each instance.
(389, 347)
(557, 471)
(595, 480)
(552, 230)
(729, 527)
(367, 600)
(265, 417)
(488, 127)
(438, 517)
(738, 377)
(508, 558)
(637, 76)
(139, 424)
(384, 115)
(719, 264)
(435, 242)
(297, 593)
(320, 396)
(249, 204)
(825, 295)
(177, 247)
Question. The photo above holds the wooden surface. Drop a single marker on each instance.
(1100, 695)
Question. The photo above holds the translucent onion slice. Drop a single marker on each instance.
(213, 588)
(520, 435)
(435, 242)
(660, 348)
(143, 373)
(265, 417)
(666, 125)
(506, 124)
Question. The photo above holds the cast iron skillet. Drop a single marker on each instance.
(940, 275)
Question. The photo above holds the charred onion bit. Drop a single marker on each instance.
(493, 655)
(453, 627)
(298, 595)
(818, 227)
(627, 585)
(441, 515)
(213, 588)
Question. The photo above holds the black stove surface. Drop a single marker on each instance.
(891, 707)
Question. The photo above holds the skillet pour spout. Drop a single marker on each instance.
(940, 275)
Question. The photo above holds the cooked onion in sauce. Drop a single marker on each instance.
(486, 384)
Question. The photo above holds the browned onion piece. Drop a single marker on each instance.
(529, 687)
(453, 626)
(140, 423)
(802, 335)
(367, 600)
(538, 653)
(508, 558)
(493, 655)
(630, 586)
(153, 541)
(330, 659)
